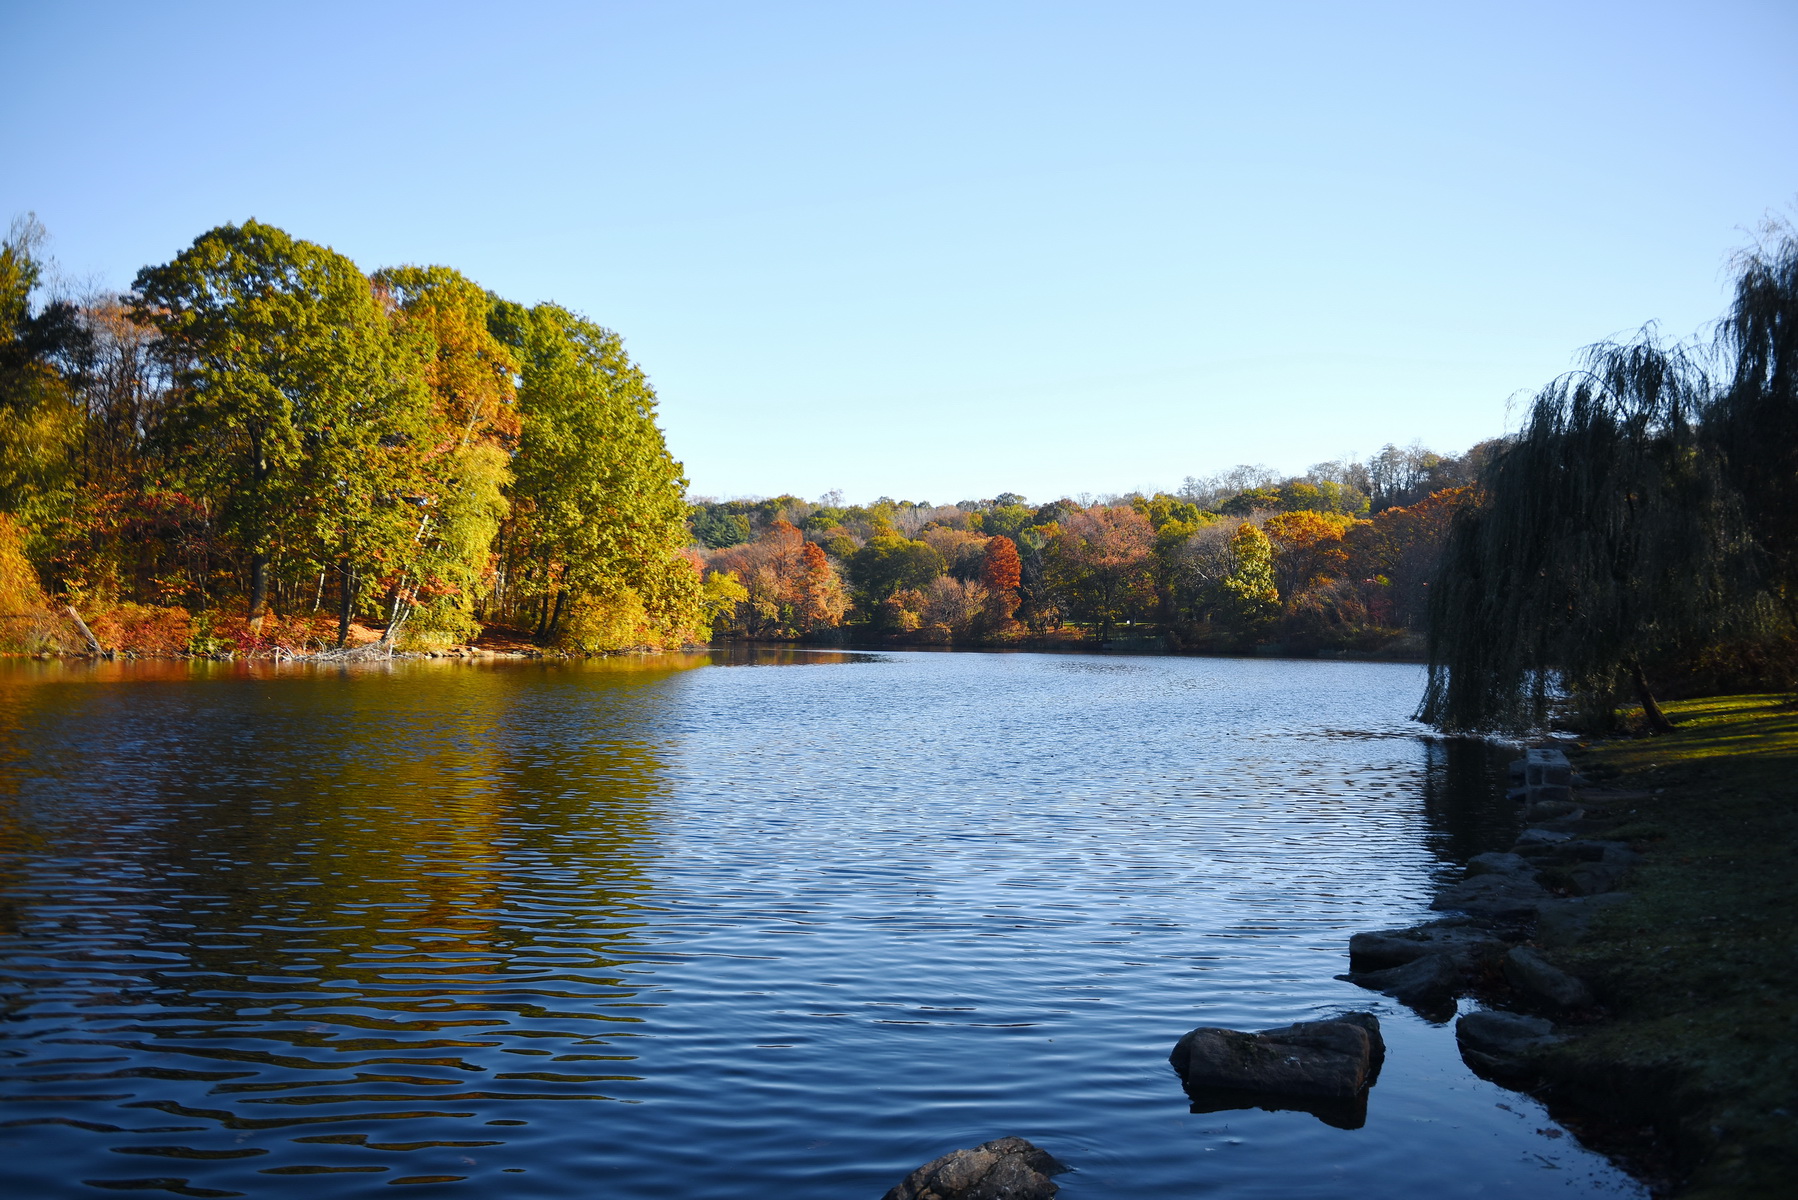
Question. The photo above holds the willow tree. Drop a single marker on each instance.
(1599, 552)
(1755, 424)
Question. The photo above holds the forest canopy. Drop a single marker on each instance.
(260, 444)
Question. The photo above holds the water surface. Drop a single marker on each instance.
(780, 925)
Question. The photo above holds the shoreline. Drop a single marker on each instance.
(1633, 954)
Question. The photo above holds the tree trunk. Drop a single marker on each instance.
(259, 473)
(93, 643)
(1657, 720)
(555, 618)
(258, 589)
(346, 593)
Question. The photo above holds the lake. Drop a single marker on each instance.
(726, 925)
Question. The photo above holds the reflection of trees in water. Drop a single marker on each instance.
(309, 877)
(1464, 798)
(442, 826)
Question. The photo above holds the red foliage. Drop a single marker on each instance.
(1002, 571)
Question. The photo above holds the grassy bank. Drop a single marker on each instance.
(1699, 969)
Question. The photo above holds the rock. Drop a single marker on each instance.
(1496, 897)
(1500, 1042)
(1006, 1169)
(1498, 863)
(1551, 810)
(1546, 768)
(1539, 837)
(1428, 984)
(1456, 937)
(1314, 1058)
(1564, 922)
(1542, 982)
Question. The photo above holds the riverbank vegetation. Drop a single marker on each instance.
(261, 447)
(1339, 559)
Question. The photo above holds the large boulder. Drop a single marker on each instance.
(1006, 1169)
(1543, 983)
(1336, 1058)
(1502, 1043)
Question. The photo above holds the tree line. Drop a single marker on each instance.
(261, 443)
(1340, 558)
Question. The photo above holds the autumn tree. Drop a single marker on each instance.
(1307, 546)
(1393, 558)
(1100, 560)
(293, 411)
(790, 587)
(463, 460)
(599, 518)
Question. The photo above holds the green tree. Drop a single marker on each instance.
(39, 424)
(463, 464)
(294, 410)
(599, 513)
(1246, 598)
(890, 563)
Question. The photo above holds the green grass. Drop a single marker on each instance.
(1700, 968)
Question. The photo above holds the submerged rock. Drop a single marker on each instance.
(1502, 1043)
(1006, 1169)
(1542, 982)
(1338, 1058)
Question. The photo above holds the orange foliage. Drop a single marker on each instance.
(1308, 548)
(1394, 556)
(1002, 571)
(793, 589)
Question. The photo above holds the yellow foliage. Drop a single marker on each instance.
(25, 619)
(607, 621)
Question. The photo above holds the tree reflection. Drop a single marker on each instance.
(1464, 798)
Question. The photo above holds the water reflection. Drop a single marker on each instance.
(313, 905)
(1464, 798)
(633, 928)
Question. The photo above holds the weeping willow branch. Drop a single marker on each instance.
(1601, 547)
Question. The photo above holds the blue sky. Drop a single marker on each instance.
(940, 251)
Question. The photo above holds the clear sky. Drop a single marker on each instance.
(943, 250)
